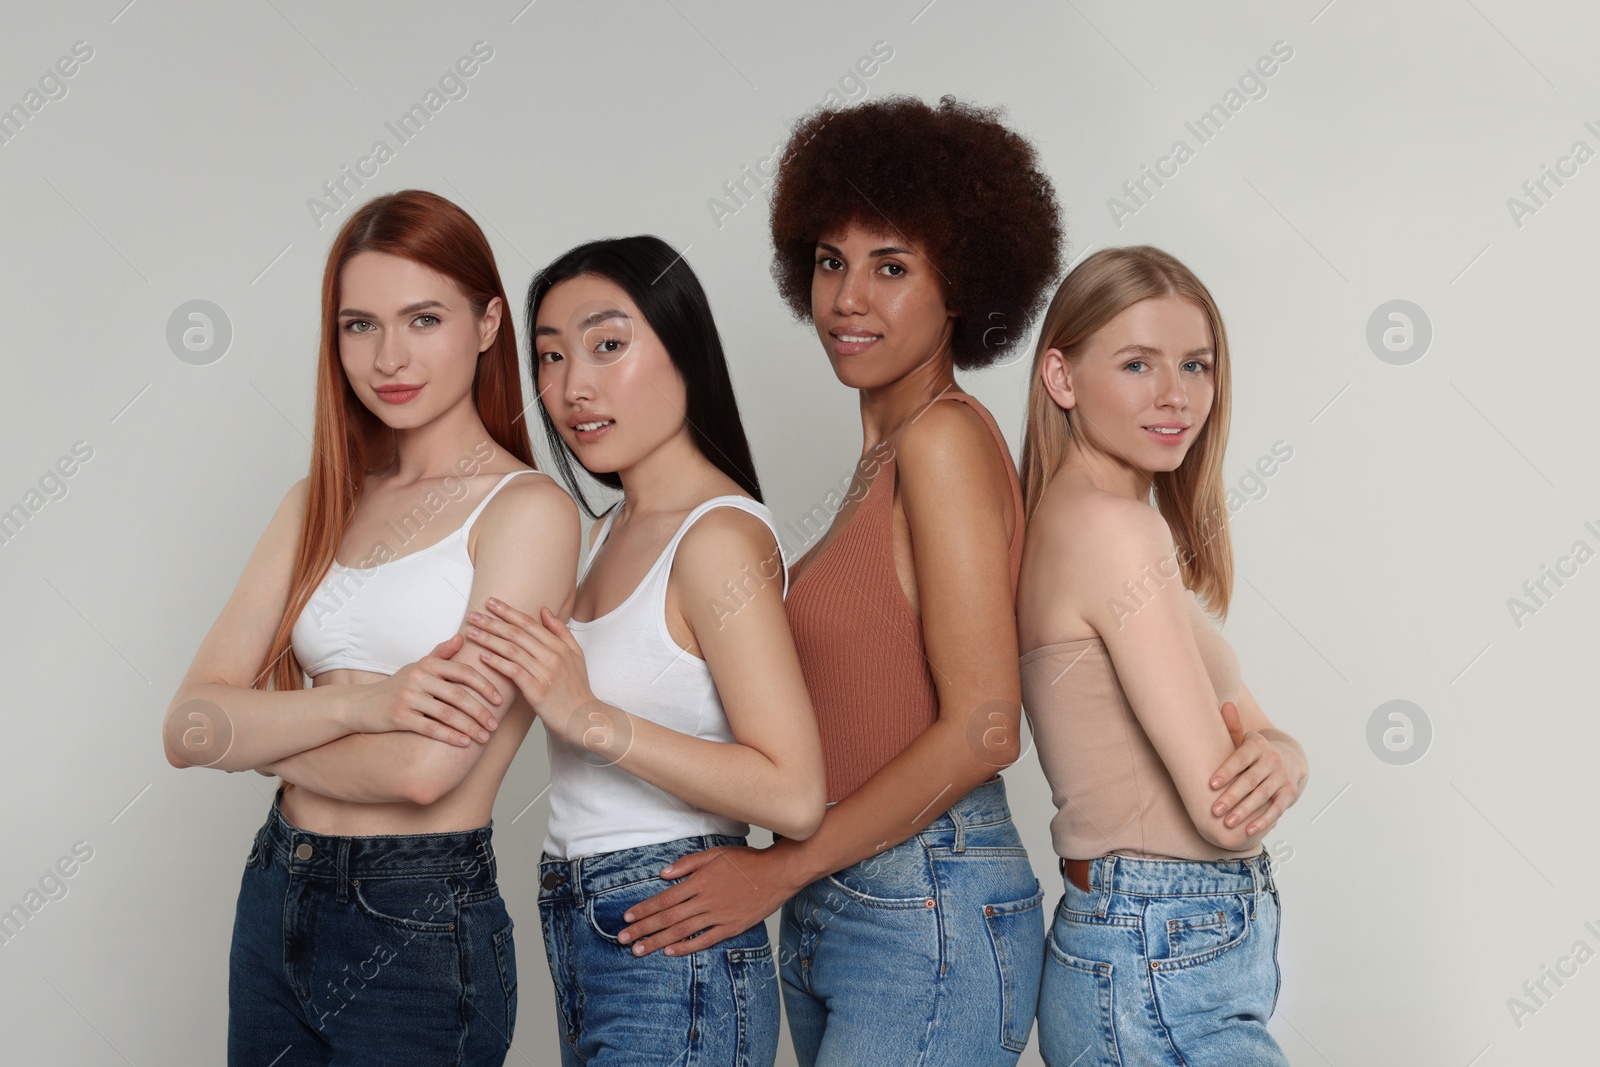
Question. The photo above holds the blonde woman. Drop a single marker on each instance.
(1163, 949)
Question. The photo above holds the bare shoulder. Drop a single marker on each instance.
(1102, 532)
(724, 540)
(536, 506)
(949, 445)
(283, 532)
(297, 494)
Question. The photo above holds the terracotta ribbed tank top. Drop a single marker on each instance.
(859, 641)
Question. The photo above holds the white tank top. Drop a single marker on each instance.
(383, 617)
(634, 664)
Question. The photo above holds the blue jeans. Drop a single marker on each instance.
(926, 954)
(713, 1008)
(370, 950)
(1164, 962)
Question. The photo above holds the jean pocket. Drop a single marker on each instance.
(1016, 931)
(754, 983)
(605, 909)
(505, 957)
(260, 850)
(1199, 930)
(900, 877)
(1076, 1024)
(419, 904)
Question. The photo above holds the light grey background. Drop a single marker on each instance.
(1377, 565)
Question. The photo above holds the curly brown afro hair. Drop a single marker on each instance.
(969, 191)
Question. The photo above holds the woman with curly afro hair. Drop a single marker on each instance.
(917, 239)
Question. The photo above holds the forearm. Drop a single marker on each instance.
(232, 728)
(902, 798)
(372, 768)
(723, 777)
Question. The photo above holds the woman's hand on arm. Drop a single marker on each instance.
(527, 547)
(771, 774)
(1266, 773)
(956, 494)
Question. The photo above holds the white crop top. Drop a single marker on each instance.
(383, 617)
(635, 665)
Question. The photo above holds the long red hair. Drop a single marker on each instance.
(434, 232)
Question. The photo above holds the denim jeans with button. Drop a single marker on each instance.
(387, 949)
(1163, 962)
(714, 1008)
(925, 955)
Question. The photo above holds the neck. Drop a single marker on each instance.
(673, 477)
(443, 448)
(887, 408)
(1113, 474)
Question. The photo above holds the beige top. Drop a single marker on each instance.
(1111, 790)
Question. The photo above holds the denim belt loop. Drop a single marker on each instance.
(575, 880)
(1101, 886)
(960, 824)
(485, 851)
(341, 869)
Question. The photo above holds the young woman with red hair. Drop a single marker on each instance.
(369, 926)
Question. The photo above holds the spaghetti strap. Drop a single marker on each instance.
(466, 527)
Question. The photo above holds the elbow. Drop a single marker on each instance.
(173, 751)
(803, 814)
(1233, 839)
(1003, 755)
(424, 789)
(427, 781)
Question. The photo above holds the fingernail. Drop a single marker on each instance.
(622, 938)
(483, 735)
(492, 724)
(493, 603)
(627, 917)
(638, 950)
(1215, 782)
(666, 872)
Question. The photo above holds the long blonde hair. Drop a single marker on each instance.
(1191, 498)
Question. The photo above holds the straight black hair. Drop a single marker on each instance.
(659, 282)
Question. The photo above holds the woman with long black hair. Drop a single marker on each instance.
(673, 701)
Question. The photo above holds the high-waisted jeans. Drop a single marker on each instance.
(926, 954)
(370, 950)
(1163, 962)
(714, 1008)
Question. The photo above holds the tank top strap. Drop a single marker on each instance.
(732, 500)
(466, 527)
(1005, 448)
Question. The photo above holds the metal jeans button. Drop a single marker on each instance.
(303, 851)
(551, 880)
